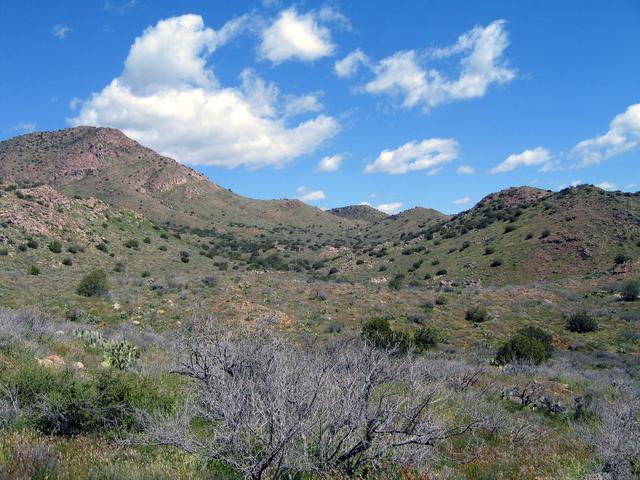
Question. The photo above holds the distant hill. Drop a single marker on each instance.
(106, 164)
(359, 212)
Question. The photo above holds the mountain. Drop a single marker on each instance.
(106, 164)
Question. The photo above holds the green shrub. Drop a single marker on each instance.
(67, 261)
(32, 244)
(442, 271)
(184, 256)
(146, 240)
(545, 233)
(621, 258)
(396, 282)
(630, 291)
(425, 338)
(359, 261)
(489, 250)
(581, 322)
(34, 270)
(102, 247)
(93, 284)
(119, 267)
(333, 270)
(378, 332)
(441, 300)
(132, 243)
(22, 247)
(162, 248)
(509, 228)
(521, 348)
(4, 251)
(62, 402)
(496, 262)
(164, 236)
(477, 314)
(55, 246)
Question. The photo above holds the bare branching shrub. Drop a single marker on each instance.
(270, 409)
(617, 438)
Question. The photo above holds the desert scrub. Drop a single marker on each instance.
(630, 291)
(379, 333)
(530, 344)
(55, 246)
(581, 322)
(424, 339)
(477, 314)
(93, 284)
(60, 401)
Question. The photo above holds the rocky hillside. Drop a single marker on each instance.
(359, 212)
(105, 164)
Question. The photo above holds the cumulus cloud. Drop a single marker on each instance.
(23, 127)
(575, 183)
(294, 36)
(60, 31)
(168, 99)
(348, 66)
(299, 104)
(466, 170)
(623, 136)
(462, 201)
(608, 186)
(537, 156)
(310, 196)
(390, 208)
(481, 64)
(330, 164)
(428, 154)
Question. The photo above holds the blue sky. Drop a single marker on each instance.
(428, 103)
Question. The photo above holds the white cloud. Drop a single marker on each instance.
(330, 164)
(310, 196)
(168, 99)
(537, 156)
(23, 127)
(466, 170)
(575, 183)
(481, 65)
(462, 201)
(296, 36)
(120, 8)
(299, 104)
(434, 171)
(390, 208)
(349, 65)
(365, 203)
(411, 156)
(60, 31)
(623, 136)
(608, 186)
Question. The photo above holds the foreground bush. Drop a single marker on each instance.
(581, 322)
(93, 284)
(273, 410)
(530, 345)
(59, 401)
